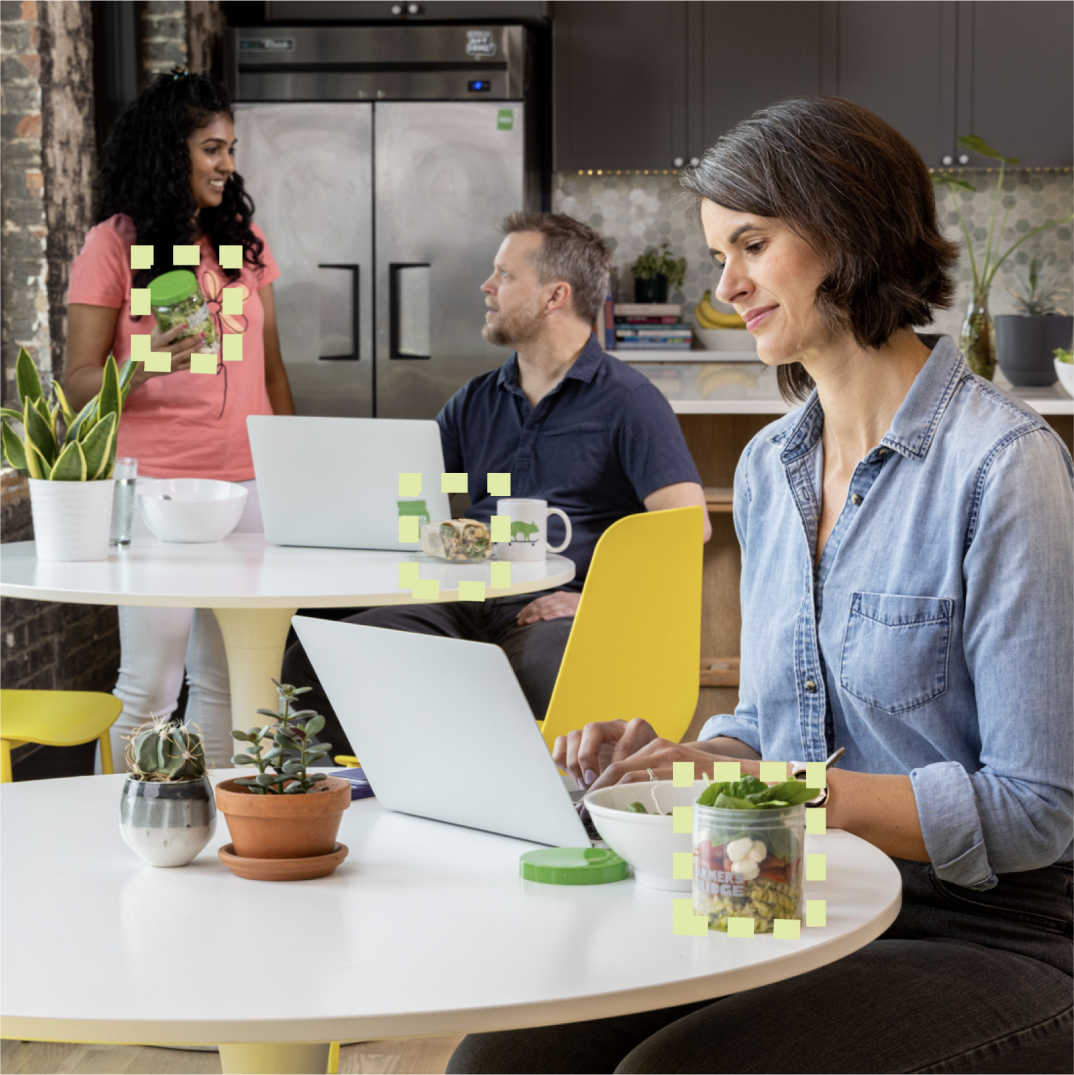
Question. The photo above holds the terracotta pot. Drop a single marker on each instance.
(284, 826)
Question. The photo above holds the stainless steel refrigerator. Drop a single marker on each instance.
(382, 161)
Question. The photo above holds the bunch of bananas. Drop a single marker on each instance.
(709, 317)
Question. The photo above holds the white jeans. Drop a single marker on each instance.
(155, 646)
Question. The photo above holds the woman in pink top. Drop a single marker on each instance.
(167, 177)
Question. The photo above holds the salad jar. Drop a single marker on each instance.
(748, 864)
(175, 298)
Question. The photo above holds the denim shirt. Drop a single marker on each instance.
(934, 637)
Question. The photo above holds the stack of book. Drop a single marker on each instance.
(647, 326)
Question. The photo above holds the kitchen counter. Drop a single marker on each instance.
(695, 385)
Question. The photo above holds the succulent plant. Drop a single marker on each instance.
(294, 745)
(160, 750)
(56, 444)
(1039, 292)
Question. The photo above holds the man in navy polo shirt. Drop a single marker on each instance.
(569, 423)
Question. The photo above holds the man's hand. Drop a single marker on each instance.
(553, 606)
(587, 752)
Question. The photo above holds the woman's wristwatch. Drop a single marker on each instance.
(798, 771)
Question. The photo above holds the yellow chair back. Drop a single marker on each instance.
(635, 647)
(55, 719)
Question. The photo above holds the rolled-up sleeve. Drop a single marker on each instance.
(1015, 812)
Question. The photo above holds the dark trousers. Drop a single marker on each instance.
(534, 650)
(962, 981)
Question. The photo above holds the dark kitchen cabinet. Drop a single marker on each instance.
(648, 86)
(935, 71)
(619, 85)
(1017, 90)
(897, 60)
(752, 55)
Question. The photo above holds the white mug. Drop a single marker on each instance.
(529, 529)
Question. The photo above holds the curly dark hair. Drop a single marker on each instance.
(145, 172)
(858, 193)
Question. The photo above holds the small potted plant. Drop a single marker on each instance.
(1025, 341)
(166, 811)
(283, 821)
(654, 271)
(68, 457)
(977, 340)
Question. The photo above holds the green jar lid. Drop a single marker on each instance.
(172, 287)
(573, 866)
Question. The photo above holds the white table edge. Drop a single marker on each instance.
(443, 1023)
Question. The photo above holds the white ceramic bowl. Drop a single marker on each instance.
(724, 339)
(1065, 372)
(191, 509)
(646, 841)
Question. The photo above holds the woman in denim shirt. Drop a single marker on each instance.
(907, 574)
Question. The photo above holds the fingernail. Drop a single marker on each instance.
(588, 777)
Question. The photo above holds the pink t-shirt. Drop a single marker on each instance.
(173, 424)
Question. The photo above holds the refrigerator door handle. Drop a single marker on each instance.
(355, 355)
(408, 305)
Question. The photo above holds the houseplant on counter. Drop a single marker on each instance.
(654, 270)
(976, 339)
(1026, 341)
(283, 821)
(166, 812)
(68, 458)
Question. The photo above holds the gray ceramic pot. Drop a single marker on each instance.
(1024, 347)
(167, 824)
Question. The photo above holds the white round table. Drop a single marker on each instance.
(254, 589)
(425, 929)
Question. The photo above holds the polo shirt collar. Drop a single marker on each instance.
(916, 420)
(584, 369)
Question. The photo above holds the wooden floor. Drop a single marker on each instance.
(409, 1056)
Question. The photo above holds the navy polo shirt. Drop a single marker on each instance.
(600, 442)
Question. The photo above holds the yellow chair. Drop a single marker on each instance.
(635, 647)
(55, 719)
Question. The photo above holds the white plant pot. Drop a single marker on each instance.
(72, 520)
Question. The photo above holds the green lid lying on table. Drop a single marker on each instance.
(572, 866)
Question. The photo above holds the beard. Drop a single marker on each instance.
(512, 330)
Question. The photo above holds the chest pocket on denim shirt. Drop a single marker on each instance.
(895, 650)
(580, 453)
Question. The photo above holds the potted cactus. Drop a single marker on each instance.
(166, 812)
(283, 820)
(68, 458)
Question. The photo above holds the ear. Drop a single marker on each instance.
(559, 298)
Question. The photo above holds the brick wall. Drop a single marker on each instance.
(23, 274)
(163, 32)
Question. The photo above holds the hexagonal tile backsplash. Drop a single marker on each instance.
(634, 212)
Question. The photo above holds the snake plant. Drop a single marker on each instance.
(56, 444)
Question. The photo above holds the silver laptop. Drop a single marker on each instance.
(442, 729)
(334, 482)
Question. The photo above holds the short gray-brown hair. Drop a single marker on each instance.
(858, 193)
(572, 252)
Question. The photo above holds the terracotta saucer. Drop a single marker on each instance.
(302, 869)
